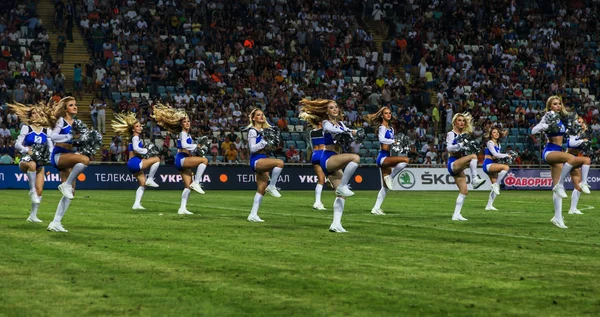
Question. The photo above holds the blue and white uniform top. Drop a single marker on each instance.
(329, 130)
(386, 135)
(316, 137)
(543, 126)
(185, 142)
(62, 132)
(492, 149)
(574, 142)
(137, 146)
(256, 144)
(255, 141)
(452, 145)
(28, 137)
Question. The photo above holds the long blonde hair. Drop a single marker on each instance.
(123, 123)
(251, 115)
(314, 111)
(59, 109)
(24, 113)
(376, 119)
(468, 118)
(168, 117)
(563, 110)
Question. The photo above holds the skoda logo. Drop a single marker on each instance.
(406, 180)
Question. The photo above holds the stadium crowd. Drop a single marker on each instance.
(499, 60)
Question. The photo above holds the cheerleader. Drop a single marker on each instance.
(332, 162)
(457, 162)
(561, 163)
(578, 174)
(34, 131)
(260, 163)
(495, 171)
(70, 164)
(389, 166)
(176, 121)
(127, 124)
(318, 144)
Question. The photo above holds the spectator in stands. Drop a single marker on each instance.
(60, 47)
(225, 145)
(94, 114)
(231, 154)
(101, 108)
(292, 155)
(77, 81)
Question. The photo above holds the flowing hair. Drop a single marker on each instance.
(123, 123)
(169, 117)
(24, 113)
(501, 133)
(563, 110)
(251, 124)
(59, 109)
(315, 111)
(468, 118)
(376, 119)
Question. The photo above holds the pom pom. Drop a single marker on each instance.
(573, 126)
(509, 160)
(553, 121)
(40, 154)
(467, 144)
(204, 143)
(272, 136)
(153, 150)
(360, 135)
(89, 141)
(401, 144)
(343, 139)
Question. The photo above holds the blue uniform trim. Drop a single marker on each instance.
(57, 150)
(316, 137)
(33, 137)
(254, 157)
(179, 160)
(316, 157)
(324, 157)
(451, 160)
(134, 165)
(550, 147)
(382, 155)
(486, 164)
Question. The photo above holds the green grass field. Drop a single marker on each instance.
(413, 261)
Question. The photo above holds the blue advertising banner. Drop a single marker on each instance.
(222, 177)
(216, 177)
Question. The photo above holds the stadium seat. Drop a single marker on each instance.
(290, 143)
(299, 128)
(369, 160)
(296, 136)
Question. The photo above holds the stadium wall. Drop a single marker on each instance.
(221, 177)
